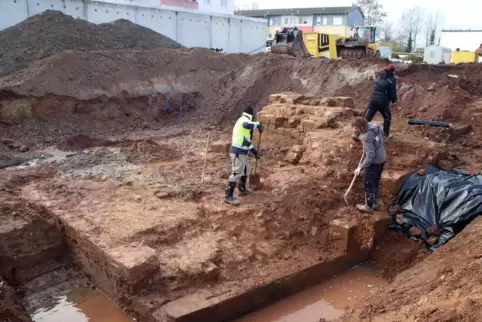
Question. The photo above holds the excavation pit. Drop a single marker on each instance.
(141, 225)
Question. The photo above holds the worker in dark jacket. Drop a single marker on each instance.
(371, 137)
(385, 92)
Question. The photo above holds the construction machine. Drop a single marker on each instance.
(478, 51)
(289, 41)
(360, 44)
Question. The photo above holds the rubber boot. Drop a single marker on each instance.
(368, 206)
(229, 199)
(375, 199)
(242, 189)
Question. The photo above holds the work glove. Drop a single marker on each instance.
(260, 128)
(358, 171)
(255, 153)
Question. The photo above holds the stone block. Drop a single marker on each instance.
(292, 98)
(328, 101)
(133, 262)
(273, 98)
(295, 134)
(392, 181)
(187, 308)
(313, 156)
(308, 125)
(220, 146)
(306, 110)
(352, 235)
(293, 122)
(298, 148)
(344, 102)
(293, 157)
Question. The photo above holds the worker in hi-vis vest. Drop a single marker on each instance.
(240, 147)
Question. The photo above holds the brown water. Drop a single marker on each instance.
(327, 300)
(80, 305)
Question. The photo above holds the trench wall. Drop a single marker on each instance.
(233, 34)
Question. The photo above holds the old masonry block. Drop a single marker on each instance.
(133, 262)
(187, 308)
(293, 157)
(220, 146)
(343, 230)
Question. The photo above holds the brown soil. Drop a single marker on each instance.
(10, 308)
(80, 142)
(93, 92)
(52, 32)
(443, 287)
(130, 203)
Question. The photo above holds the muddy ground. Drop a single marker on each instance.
(112, 180)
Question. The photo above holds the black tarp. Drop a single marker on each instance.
(448, 200)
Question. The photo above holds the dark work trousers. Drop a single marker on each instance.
(371, 182)
(384, 109)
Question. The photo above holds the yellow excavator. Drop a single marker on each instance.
(360, 44)
(478, 51)
(289, 41)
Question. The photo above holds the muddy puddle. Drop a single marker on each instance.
(327, 300)
(80, 305)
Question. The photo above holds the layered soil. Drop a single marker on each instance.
(124, 159)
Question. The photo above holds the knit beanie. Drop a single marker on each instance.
(248, 110)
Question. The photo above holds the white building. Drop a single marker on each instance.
(208, 6)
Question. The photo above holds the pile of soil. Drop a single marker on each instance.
(52, 32)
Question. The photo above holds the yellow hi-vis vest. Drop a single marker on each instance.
(240, 134)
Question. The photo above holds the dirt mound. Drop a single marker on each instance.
(52, 32)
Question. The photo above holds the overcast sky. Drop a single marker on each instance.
(462, 14)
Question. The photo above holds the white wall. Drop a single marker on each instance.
(233, 34)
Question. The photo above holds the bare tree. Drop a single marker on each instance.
(432, 26)
(247, 6)
(412, 21)
(386, 31)
(373, 11)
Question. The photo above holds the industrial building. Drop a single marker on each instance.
(209, 6)
(326, 20)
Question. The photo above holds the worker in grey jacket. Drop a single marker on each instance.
(371, 137)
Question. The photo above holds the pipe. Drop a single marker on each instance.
(431, 123)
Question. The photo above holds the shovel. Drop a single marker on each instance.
(254, 179)
(345, 196)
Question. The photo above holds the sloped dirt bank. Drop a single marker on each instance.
(446, 286)
(91, 91)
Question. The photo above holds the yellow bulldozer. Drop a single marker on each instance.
(361, 43)
(478, 51)
(289, 41)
